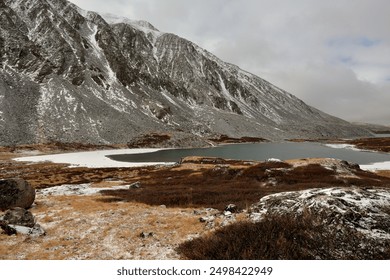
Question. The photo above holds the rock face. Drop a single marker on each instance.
(363, 209)
(16, 193)
(70, 75)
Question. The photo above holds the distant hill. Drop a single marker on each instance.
(374, 128)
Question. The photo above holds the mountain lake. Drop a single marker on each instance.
(261, 152)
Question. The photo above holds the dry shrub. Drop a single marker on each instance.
(149, 140)
(227, 139)
(224, 184)
(285, 237)
(377, 144)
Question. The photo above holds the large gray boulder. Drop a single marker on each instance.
(16, 193)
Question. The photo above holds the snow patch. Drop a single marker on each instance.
(376, 166)
(94, 159)
(75, 189)
(169, 98)
(355, 207)
(343, 146)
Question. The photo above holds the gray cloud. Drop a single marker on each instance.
(335, 55)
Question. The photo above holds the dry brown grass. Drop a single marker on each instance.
(246, 139)
(197, 182)
(218, 185)
(107, 226)
(81, 227)
(381, 144)
(383, 173)
(284, 237)
(149, 140)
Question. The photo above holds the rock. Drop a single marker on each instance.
(227, 213)
(7, 229)
(273, 160)
(36, 230)
(206, 219)
(364, 209)
(231, 208)
(19, 216)
(135, 185)
(146, 234)
(16, 193)
(206, 211)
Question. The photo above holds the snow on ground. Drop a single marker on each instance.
(93, 159)
(369, 167)
(376, 166)
(363, 208)
(343, 146)
(76, 189)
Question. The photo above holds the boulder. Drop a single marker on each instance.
(231, 208)
(16, 193)
(135, 185)
(19, 216)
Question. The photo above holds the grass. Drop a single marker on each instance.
(218, 185)
(149, 140)
(246, 139)
(287, 237)
(197, 182)
(381, 144)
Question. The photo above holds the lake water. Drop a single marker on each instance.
(259, 152)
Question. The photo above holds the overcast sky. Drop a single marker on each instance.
(334, 55)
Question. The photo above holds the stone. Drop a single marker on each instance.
(227, 213)
(36, 230)
(135, 185)
(7, 229)
(16, 193)
(19, 216)
(206, 219)
(146, 234)
(231, 208)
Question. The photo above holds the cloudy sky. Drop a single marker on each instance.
(334, 55)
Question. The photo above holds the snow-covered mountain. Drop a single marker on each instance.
(71, 75)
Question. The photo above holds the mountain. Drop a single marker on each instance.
(71, 75)
(374, 128)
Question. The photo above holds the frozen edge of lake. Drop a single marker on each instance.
(94, 159)
(376, 166)
(369, 167)
(99, 159)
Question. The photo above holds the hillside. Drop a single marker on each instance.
(69, 75)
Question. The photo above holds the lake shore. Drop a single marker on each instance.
(101, 217)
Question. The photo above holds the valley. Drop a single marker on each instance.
(94, 213)
(109, 129)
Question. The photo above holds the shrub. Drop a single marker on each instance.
(285, 237)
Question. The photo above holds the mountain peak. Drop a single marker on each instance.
(74, 76)
(139, 24)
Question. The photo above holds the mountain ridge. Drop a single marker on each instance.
(68, 75)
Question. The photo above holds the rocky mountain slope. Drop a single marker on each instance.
(74, 76)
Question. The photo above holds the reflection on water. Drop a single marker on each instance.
(259, 151)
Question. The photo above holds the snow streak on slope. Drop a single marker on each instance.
(109, 79)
